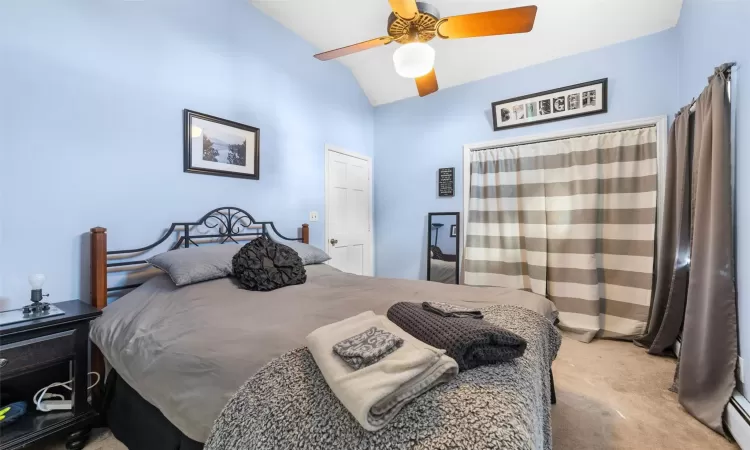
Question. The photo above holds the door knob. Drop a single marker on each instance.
(334, 241)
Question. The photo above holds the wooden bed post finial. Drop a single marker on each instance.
(305, 233)
(99, 267)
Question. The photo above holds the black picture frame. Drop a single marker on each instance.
(458, 239)
(554, 116)
(188, 165)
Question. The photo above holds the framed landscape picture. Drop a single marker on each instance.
(567, 102)
(215, 146)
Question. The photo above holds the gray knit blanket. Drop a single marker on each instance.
(471, 342)
(288, 404)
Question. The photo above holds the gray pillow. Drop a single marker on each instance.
(308, 253)
(195, 264)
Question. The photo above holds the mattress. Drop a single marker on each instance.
(187, 350)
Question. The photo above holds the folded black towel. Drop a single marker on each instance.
(448, 310)
(471, 342)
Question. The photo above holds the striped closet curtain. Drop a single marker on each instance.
(573, 220)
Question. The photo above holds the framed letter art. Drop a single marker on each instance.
(568, 102)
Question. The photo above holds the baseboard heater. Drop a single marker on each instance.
(737, 420)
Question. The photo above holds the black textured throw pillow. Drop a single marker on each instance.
(264, 265)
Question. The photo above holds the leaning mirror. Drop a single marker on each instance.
(442, 247)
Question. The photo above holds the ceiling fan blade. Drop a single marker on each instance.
(406, 9)
(427, 84)
(343, 51)
(490, 23)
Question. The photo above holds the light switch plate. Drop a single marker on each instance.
(313, 216)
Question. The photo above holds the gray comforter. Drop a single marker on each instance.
(187, 350)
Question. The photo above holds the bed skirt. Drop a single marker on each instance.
(137, 423)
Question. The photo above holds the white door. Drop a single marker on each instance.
(348, 210)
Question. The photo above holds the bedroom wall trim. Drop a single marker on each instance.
(371, 228)
(662, 134)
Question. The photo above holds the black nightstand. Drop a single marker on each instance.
(37, 353)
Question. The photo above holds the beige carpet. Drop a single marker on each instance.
(613, 395)
(610, 395)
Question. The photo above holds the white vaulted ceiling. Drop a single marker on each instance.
(562, 28)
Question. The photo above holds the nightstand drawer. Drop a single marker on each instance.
(25, 355)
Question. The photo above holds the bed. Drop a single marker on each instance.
(179, 354)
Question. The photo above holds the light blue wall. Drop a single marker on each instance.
(415, 137)
(713, 32)
(91, 99)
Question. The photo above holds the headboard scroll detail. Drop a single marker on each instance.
(225, 224)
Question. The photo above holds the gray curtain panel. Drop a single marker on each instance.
(709, 338)
(695, 280)
(673, 264)
(571, 219)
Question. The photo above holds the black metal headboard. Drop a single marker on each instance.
(219, 226)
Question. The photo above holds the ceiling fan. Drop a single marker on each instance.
(414, 23)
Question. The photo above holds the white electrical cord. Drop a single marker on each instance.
(60, 403)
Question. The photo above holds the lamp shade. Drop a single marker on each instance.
(414, 59)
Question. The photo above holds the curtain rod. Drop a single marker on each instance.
(572, 136)
(725, 69)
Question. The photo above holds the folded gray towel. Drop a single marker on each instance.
(448, 310)
(471, 342)
(367, 348)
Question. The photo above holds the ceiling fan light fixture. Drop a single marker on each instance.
(414, 59)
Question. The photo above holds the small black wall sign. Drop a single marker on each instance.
(446, 182)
